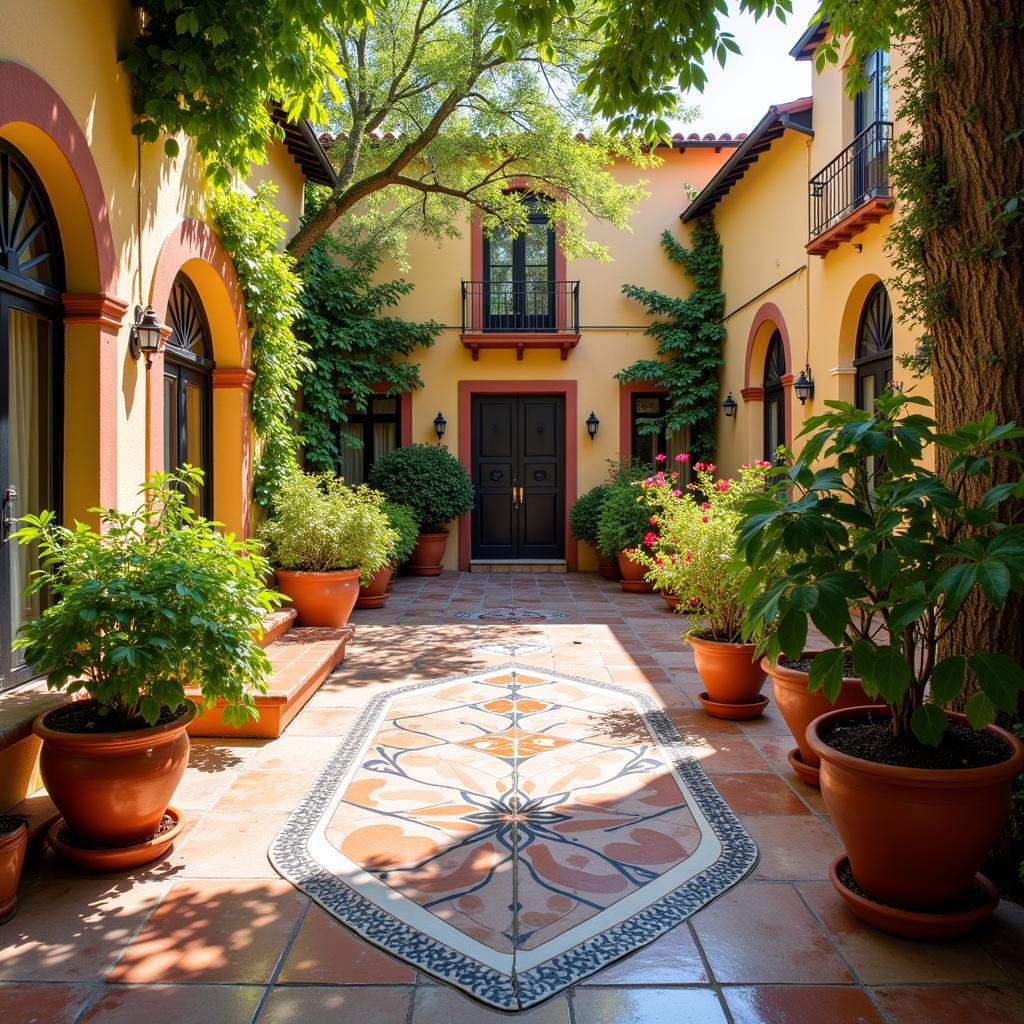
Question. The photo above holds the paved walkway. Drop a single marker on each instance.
(213, 934)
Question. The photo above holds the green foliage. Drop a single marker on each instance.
(885, 552)
(156, 600)
(690, 333)
(623, 521)
(586, 513)
(319, 524)
(250, 227)
(427, 478)
(403, 521)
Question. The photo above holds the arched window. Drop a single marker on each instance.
(774, 396)
(873, 358)
(188, 389)
(31, 361)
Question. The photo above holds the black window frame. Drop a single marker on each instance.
(874, 362)
(773, 397)
(367, 419)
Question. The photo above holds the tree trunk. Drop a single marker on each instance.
(978, 345)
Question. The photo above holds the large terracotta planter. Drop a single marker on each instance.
(375, 593)
(320, 598)
(729, 671)
(799, 707)
(112, 789)
(13, 842)
(427, 557)
(607, 568)
(915, 837)
(633, 575)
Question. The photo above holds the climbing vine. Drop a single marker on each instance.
(251, 229)
(689, 333)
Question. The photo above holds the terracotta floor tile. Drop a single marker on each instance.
(214, 931)
(312, 1005)
(200, 790)
(952, 1004)
(229, 846)
(792, 847)
(334, 722)
(326, 953)
(648, 1006)
(880, 959)
(74, 930)
(296, 753)
(758, 793)
(725, 752)
(1002, 936)
(439, 1004)
(800, 1004)
(760, 933)
(180, 1004)
(671, 960)
(265, 792)
(41, 1004)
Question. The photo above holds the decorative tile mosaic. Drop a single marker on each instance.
(511, 614)
(514, 649)
(512, 831)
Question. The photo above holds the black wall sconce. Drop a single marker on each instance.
(145, 334)
(440, 425)
(804, 385)
(729, 406)
(592, 424)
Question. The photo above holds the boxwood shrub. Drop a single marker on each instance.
(427, 478)
(624, 520)
(586, 512)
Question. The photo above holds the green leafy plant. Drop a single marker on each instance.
(155, 600)
(427, 478)
(885, 551)
(623, 521)
(403, 521)
(689, 333)
(320, 525)
(586, 513)
(690, 546)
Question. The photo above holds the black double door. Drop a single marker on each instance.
(519, 476)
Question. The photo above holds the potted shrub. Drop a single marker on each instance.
(323, 539)
(374, 593)
(918, 794)
(153, 601)
(583, 519)
(434, 484)
(692, 553)
(622, 525)
(13, 842)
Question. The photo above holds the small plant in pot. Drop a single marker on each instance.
(692, 554)
(13, 843)
(154, 601)
(402, 520)
(584, 517)
(323, 539)
(918, 794)
(434, 484)
(622, 526)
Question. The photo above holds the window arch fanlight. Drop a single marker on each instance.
(873, 358)
(774, 396)
(188, 389)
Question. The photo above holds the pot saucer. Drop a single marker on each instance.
(914, 924)
(636, 586)
(809, 773)
(117, 858)
(733, 712)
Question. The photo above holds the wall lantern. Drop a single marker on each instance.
(592, 424)
(145, 335)
(804, 385)
(729, 406)
(440, 425)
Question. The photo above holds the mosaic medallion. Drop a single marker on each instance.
(512, 831)
(511, 614)
(514, 649)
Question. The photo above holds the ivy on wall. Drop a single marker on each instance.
(689, 333)
(251, 229)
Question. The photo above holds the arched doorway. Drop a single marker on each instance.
(873, 359)
(188, 389)
(31, 368)
(774, 396)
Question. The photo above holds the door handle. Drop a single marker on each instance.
(520, 497)
(10, 517)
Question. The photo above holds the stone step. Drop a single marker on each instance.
(300, 660)
(276, 624)
(19, 746)
(518, 565)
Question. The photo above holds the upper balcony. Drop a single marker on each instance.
(852, 191)
(520, 315)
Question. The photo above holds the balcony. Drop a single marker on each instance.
(852, 191)
(520, 315)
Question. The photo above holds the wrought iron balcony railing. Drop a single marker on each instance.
(859, 174)
(521, 306)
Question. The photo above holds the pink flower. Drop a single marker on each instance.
(653, 521)
(676, 493)
(711, 467)
(685, 457)
(674, 475)
(703, 519)
(705, 507)
(689, 556)
(700, 466)
(746, 465)
(660, 564)
(763, 464)
(659, 458)
(722, 486)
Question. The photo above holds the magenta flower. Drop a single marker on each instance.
(676, 493)
(653, 521)
(650, 539)
(703, 519)
(722, 486)
(659, 458)
(684, 457)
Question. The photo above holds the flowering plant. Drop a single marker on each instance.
(690, 551)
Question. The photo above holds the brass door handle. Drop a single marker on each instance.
(517, 496)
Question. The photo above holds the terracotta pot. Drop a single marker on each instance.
(728, 670)
(118, 858)
(915, 837)
(113, 788)
(375, 593)
(799, 707)
(428, 555)
(633, 575)
(670, 599)
(607, 568)
(12, 857)
(320, 598)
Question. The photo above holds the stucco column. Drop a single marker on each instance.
(232, 448)
(752, 411)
